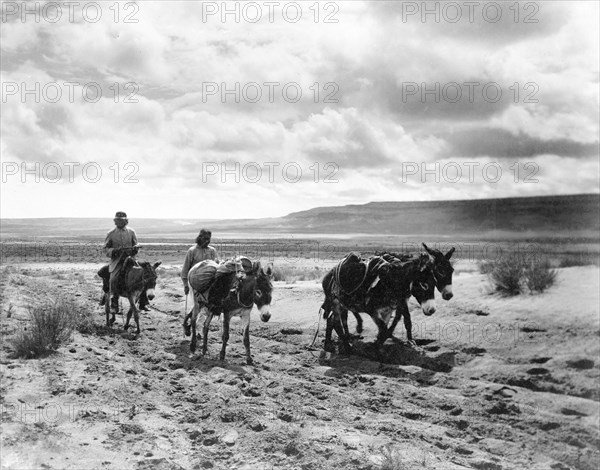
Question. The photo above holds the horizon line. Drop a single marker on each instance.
(312, 208)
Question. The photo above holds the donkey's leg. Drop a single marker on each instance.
(382, 335)
(381, 319)
(338, 312)
(107, 309)
(136, 315)
(328, 315)
(408, 326)
(188, 315)
(186, 325)
(402, 312)
(192, 327)
(226, 319)
(129, 312)
(344, 320)
(359, 323)
(110, 302)
(328, 345)
(209, 315)
(246, 330)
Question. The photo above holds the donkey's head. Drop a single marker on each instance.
(442, 271)
(263, 291)
(423, 285)
(418, 272)
(257, 286)
(149, 277)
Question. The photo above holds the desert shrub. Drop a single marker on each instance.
(50, 326)
(280, 274)
(539, 275)
(391, 459)
(511, 275)
(485, 266)
(506, 275)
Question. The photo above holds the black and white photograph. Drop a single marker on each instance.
(300, 235)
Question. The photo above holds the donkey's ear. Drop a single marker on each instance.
(157, 264)
(269, 270)
(427, 249)
(449, 254)
(256, 267)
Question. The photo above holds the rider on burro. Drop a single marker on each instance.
(120, 243)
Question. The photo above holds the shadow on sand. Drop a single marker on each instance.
(233, 361)
(385, 359)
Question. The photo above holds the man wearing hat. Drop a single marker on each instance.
(120, 242)
(199, 252)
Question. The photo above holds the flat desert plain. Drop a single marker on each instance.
(494, 383)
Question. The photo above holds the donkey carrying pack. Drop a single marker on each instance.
(232, 292)
(377, 286)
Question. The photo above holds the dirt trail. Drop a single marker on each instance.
(495, 384)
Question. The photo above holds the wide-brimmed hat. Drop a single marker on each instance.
(121, 215)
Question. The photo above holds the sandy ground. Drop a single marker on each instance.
(496, 383)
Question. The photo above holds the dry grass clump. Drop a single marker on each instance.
(539, 276)
(512, 275)
(51, 325)
(391, 459)
(506, 275)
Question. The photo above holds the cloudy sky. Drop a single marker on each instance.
(254, 109)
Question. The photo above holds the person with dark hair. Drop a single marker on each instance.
(120, 243)
(199, 252)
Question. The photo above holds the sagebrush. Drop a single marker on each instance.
(506, 275)
(51, 325)
(512, 275)
(391, 459)
(539, 276)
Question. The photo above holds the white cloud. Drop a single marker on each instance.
(173, 128)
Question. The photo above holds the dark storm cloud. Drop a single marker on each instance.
(501, 143)
(447, 99)
(474, 22)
